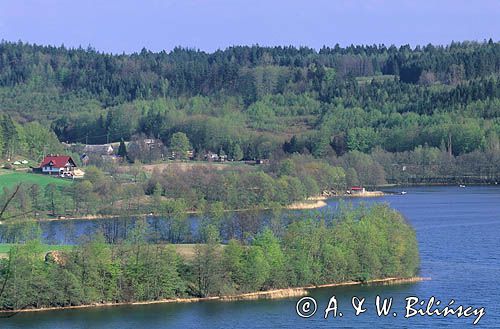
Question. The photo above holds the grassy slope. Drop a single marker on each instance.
(10, 178)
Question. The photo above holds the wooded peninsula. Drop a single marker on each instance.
(355, 245)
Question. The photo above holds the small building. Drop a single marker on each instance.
(357, 190)
(211, 157)
(85, 159)
(58, 165)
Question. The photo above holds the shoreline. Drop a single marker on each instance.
(301, 205)
(268, 294)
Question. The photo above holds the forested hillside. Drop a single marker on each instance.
(435, 108)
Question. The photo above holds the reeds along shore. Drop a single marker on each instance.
(270, 294)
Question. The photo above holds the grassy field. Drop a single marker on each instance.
(9, 178)
(187, 165)
(186, 251)
(369, 79)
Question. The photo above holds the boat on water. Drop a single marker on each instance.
(461, 186)
(403, 192)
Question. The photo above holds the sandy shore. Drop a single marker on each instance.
(367, 194)
(306, 205)
(270, 294)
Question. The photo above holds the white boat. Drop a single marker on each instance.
(461, 186)
(403, 192)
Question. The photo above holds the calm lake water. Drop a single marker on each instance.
(458, 231)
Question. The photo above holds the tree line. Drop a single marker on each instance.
(118, 78)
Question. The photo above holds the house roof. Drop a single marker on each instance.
(356, 188)
(102, 149)
(58, 161)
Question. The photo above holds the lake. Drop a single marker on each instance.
(458, 230)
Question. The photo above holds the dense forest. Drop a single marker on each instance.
(421, 114)
(359, 244)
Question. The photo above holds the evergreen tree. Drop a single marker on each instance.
(122, 150)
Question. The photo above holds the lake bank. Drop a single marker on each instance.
(269, 294)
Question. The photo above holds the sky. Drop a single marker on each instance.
(116, 26)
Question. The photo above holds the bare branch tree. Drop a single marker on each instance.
(9, 199)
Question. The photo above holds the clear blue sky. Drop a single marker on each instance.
(128, 26)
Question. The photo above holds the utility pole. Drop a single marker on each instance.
(449, 145)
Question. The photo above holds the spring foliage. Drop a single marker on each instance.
(359, 244)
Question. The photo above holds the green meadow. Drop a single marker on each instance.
(10, 178)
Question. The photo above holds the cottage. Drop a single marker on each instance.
(103, 149)
(58, 164)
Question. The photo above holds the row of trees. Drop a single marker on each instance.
(354, 245)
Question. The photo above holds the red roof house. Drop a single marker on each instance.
(57, 164)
